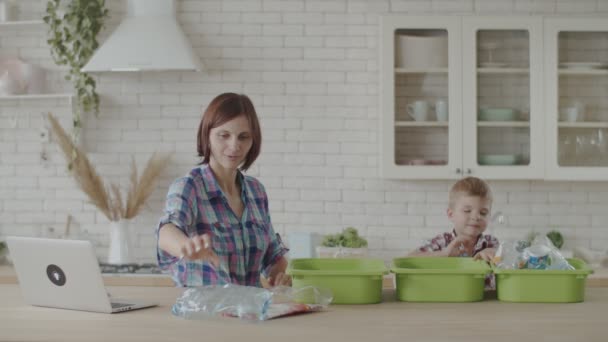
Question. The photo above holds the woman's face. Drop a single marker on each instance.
(230, 143)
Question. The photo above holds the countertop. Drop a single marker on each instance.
(489, 320)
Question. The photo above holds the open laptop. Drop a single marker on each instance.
(63, 274)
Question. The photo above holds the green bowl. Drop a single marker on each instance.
(543, 286)
(498, 159)
(439, 279)
(352, 281)
(497, 114)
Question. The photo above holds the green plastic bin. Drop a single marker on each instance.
(352, 281)
(439, 279)
(543, 286)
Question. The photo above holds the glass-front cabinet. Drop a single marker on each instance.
(503, 97)
(461, 96)
(576, 99)
(421, 94)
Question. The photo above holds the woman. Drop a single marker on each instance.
(216, 228)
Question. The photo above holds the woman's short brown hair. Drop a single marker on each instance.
(223, 108)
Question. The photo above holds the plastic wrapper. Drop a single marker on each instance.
(541, 254)
(249, 303)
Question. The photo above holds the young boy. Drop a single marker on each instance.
(470, 202)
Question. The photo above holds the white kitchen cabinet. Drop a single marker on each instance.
(492, 81)
(576, 84)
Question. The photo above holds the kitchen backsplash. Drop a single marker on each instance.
(311, 69)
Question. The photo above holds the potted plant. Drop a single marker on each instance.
(3, 250)
(556, 238)
(73, 28)
(346, 244)
(108, 198)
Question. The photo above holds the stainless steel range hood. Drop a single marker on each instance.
(148, 39)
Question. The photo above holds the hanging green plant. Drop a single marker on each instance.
(73, 40)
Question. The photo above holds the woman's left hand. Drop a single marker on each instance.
(279, 279)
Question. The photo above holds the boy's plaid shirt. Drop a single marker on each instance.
(442, 240)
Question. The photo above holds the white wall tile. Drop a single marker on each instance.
(535, 6)
(581, 6)
(411, 6)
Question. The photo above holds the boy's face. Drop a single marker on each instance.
(469, 215)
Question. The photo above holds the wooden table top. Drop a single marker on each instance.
(489, 320)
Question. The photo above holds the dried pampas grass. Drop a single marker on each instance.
(108, 198)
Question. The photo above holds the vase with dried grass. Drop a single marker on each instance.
(108, 198)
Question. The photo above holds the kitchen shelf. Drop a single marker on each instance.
(582, 72)
(36, 96)
(602, 124)
(421, 124)
(503, 124)
(515, 71)
(421, 70)
(21, 23)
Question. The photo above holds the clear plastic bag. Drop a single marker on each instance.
(541, 254)
(249, 303)
(509, 254)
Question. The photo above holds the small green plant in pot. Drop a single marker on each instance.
(3, 251)
(72, 38)
(348, 243)
(556, 238)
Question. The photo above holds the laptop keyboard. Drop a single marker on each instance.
(119, 305)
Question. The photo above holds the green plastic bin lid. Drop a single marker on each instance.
(580, 268)
(439, 265)
(336, 266)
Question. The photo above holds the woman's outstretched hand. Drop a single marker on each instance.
(199, 248)
(279, 279)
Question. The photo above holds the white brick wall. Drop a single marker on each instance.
(311, 68)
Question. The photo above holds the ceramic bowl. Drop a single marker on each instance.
(497, 114)
(498, 159)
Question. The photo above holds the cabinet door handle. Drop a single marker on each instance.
(469, 171)
(458, 171)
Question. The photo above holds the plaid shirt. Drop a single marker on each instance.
(442, 241)
(246, 247)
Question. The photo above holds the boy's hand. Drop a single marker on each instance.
(458, 246)
(486, 254)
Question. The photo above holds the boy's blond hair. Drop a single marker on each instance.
(470, 186)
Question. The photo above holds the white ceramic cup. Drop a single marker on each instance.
(418, 110)
(570, 114)
(441, 110)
